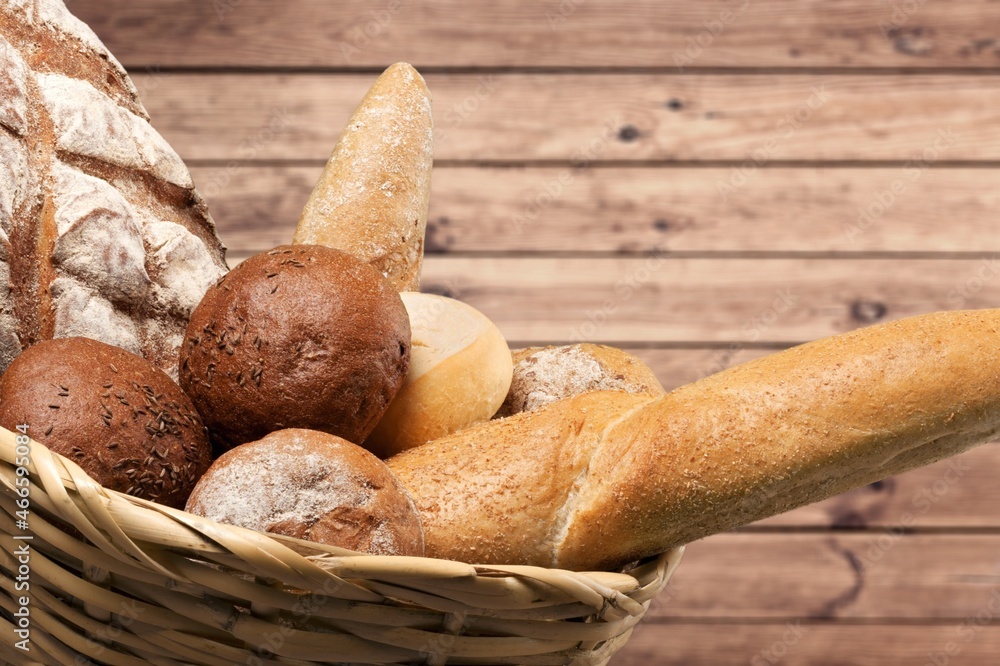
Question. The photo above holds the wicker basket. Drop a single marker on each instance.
(126, 581)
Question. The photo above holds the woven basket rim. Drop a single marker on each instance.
(131, 541)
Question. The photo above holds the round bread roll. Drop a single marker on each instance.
(301, 336)
(115, 414)
(311, 485)
(460, 371)
(543, 375)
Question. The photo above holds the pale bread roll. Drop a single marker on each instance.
(460, 371)
(373, 195)
(603, 478)
(543, 375)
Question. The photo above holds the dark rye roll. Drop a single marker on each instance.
(301, 336)
(115, 414)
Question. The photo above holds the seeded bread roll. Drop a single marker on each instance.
(311, 485)
(119, 417)
(543, 375)
(600, 479)
(460, 371)
(301, 336)
(102, 233)
(373, 195)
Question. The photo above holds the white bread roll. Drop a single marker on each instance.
(460, 371)
(600, 479)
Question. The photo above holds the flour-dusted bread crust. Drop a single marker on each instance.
(373, 196)
(599, 479)
(102, 233)
(543, 375)
(315, 486)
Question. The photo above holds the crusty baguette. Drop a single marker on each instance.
(599, 479)
(373, 195)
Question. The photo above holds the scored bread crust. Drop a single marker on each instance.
(618, 476)
(102, 233)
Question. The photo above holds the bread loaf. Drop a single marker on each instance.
(600, 479)
(119, 417)
(102, 233)
(301, 336)
(545, 374)
(460, 371)
(373, 195)
(315, 486)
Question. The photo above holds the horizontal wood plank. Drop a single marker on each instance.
(563, 33)
(585, 119)
(959, 493)
(870, 576)
(660, 301)
(804, 644)
(551, 209)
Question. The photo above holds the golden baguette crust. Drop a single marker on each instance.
(755, 440)
(373, 195)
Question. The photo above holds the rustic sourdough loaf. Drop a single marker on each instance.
(102, 233)
(599, 479)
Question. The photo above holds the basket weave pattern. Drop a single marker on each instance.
(126, 581)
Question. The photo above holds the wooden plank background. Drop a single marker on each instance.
(701, 183)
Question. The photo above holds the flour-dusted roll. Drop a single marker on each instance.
(315, 486)
(460, 371)
(102, 233)
(599, 479)
(543, 375)
(372, 198)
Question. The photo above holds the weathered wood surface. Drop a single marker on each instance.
(587, 118)
(632, 173)
(800, 643)
(668, 34)
(823, 576)
(640, 209)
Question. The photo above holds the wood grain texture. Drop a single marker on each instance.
(635, 173)
(634, 210)
(868, 575)
(659, 299)
(812, 644)
(555, 33)
(580, 119)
